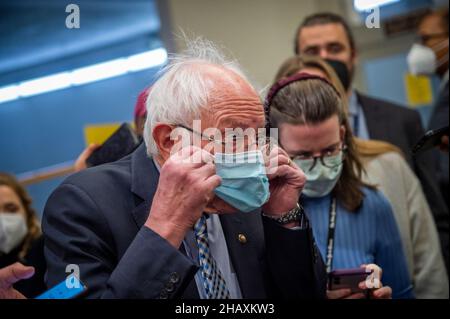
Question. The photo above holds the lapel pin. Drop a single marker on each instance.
(242, 239)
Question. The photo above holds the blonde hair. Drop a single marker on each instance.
(369, 149)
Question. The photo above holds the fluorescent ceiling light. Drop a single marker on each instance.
(99, 72)
(45, 84)
(365, 5)
(146, 60)
(9, 93)
(89, 74)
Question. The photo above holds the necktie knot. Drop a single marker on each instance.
(200, 228)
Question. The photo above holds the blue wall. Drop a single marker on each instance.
(47, 129)
(385, 78)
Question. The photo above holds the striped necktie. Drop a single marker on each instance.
(213, 281)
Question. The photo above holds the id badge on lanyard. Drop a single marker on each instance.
(331, 234)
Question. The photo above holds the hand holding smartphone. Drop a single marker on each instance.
(348, 279)
(431, 140)
(70, 288)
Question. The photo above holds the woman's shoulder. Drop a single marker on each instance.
(389, 160)
(375, 200)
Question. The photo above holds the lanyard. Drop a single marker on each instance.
(331, 234)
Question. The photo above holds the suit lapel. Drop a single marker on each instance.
(244, 256)
(144, 182)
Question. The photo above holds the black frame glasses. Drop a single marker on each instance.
(342, 148)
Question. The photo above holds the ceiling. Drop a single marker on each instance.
(33, 33)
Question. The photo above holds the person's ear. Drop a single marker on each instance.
(342, 132)
(162, 136)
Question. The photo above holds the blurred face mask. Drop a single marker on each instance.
(422, 60)
(13, 229)
(245, 185)
(321, 180)
(342, 72)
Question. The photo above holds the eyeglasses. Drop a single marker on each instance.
(327, 158)
(427, 37)
(234, 142)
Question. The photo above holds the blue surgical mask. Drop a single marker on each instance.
(245, 185)
(321, 180)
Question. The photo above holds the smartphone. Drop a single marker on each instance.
(348, 279)
(121, 143)
(430, 140)
(64, 291)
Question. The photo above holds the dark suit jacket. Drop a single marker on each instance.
(439, 119)
(95, 219)
(403, 127)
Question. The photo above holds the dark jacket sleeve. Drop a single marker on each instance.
(295, 265)
(439, 118)
(76, 232)
(425, 166)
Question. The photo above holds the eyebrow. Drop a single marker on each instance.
(328, 147)
(313, 46)
(6, 204)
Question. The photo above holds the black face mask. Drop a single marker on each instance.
(342, 72)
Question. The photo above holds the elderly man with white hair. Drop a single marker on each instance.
(178, 219)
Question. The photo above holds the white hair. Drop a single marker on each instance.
(182, 91)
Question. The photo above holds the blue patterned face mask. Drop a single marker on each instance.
(245, 185)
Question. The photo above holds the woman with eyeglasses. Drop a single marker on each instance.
(352, 222)
(386, 168)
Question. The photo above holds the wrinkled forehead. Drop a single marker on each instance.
(225, 82)
(233, 102)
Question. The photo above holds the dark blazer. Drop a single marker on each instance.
(403, 127)
(439, 119)
(95, 219)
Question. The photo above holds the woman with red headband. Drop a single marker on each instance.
(352, 222)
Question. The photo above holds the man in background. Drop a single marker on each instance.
(328, 36)
(430, 57)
